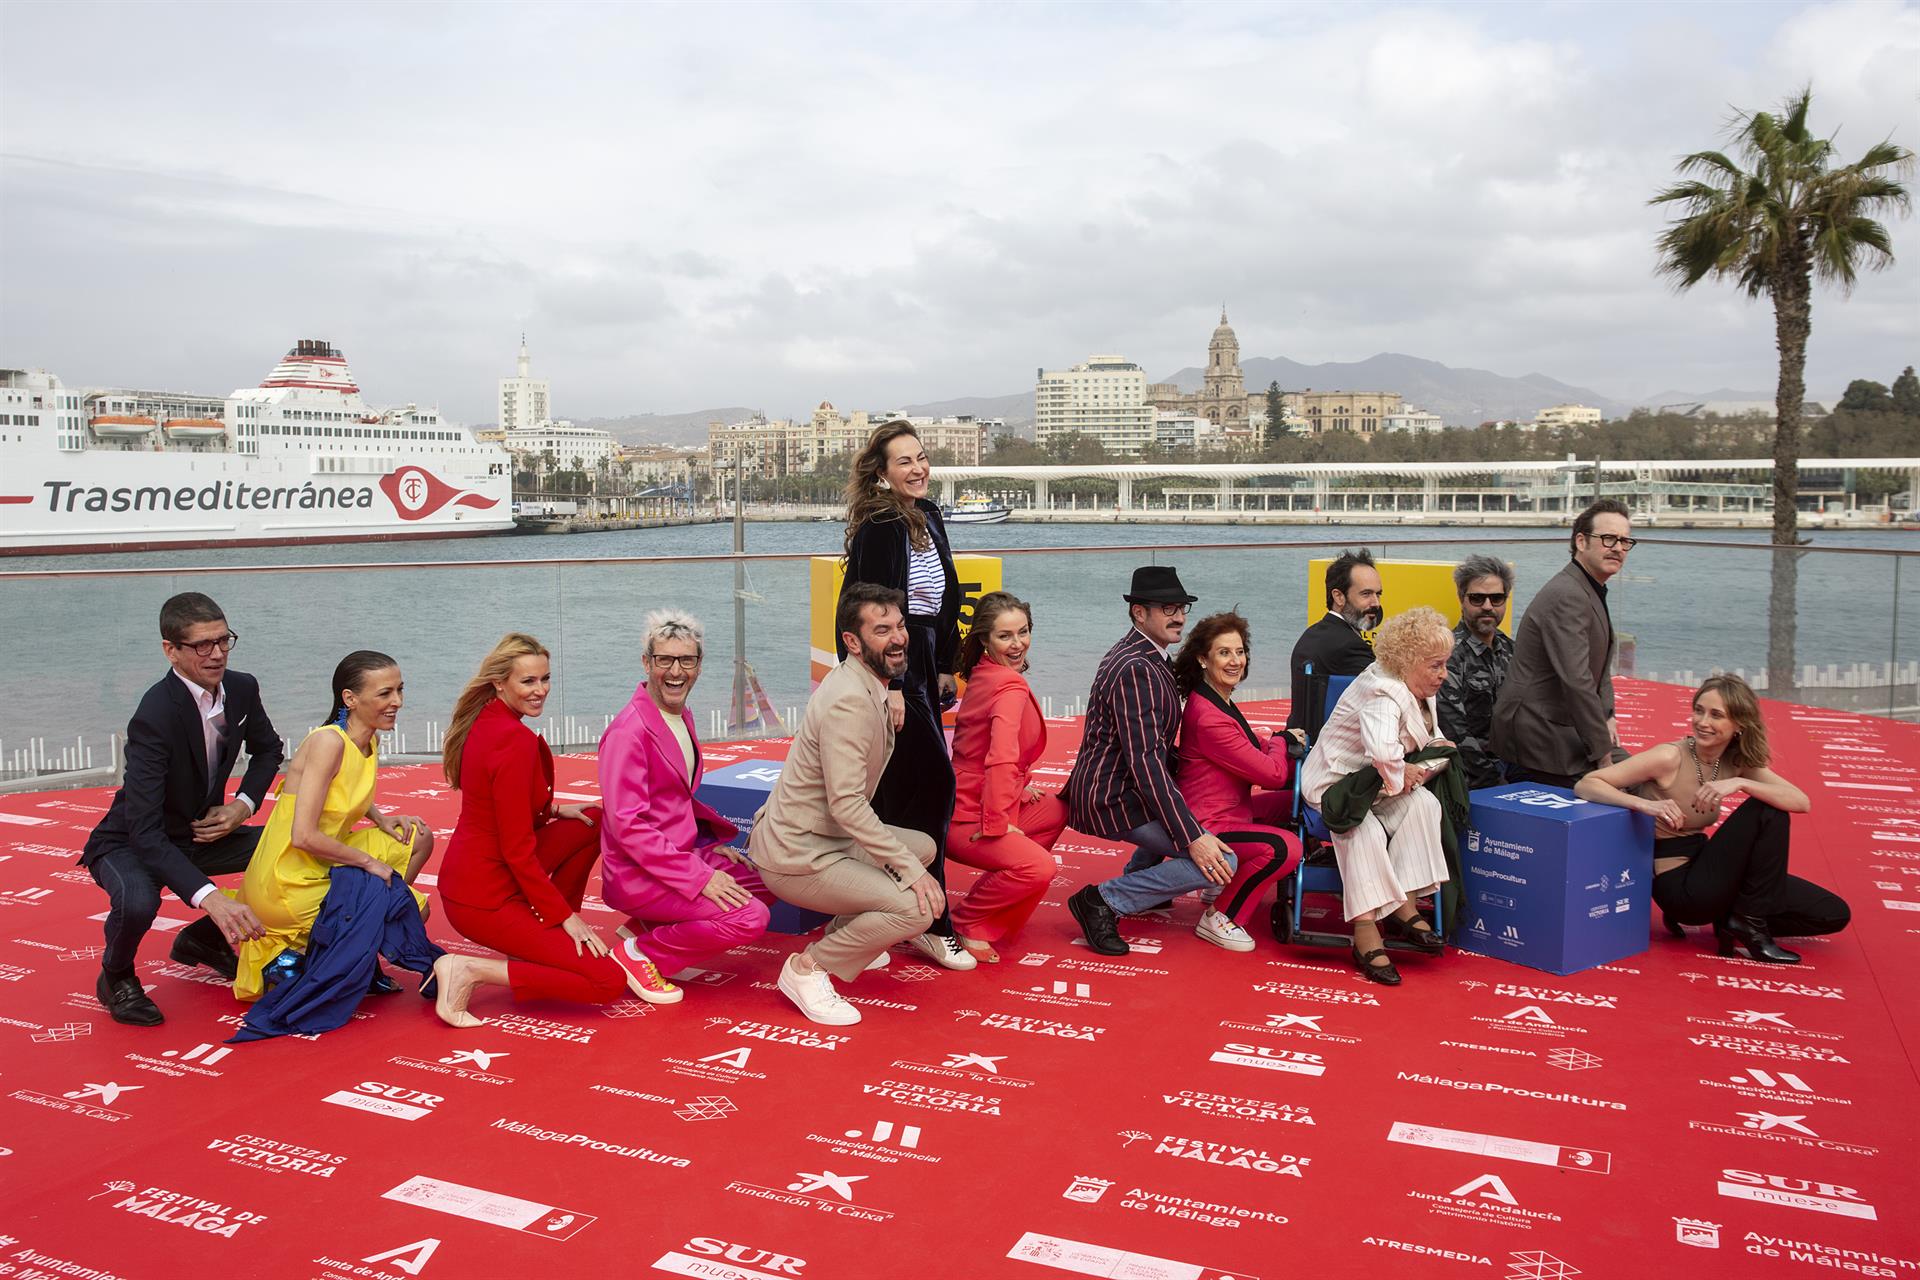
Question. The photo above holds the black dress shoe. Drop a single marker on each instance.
(1384, 974)
(1674, 927)
(1751, 932)
(127, 1002)
(1425, 941)
(189, 949)
(1096, 922)
(382, 985)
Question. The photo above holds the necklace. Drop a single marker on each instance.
(1700, 774)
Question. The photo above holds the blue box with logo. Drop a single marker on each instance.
(1552, 881)
(737, 792)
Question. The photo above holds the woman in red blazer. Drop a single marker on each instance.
(517, 866)
(1001, 823)
(1221, 762)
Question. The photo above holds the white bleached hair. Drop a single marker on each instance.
(675, 624)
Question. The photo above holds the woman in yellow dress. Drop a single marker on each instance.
(328, 789)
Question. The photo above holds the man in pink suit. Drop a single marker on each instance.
(663, 860)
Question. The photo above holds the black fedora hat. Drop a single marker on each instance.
(1157, 584)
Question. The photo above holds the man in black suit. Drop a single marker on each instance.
(1335, 645)
(170, 825)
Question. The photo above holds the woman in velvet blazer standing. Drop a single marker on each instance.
(895, 538)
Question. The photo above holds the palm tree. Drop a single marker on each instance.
(1773, 228)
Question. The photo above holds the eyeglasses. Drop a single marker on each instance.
(1486, 597)
(1175, 610)
(1612, 540)
(205, 648)
(670, 663)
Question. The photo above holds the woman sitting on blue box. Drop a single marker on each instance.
(1735, 879)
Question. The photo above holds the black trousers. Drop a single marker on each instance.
(1741, 869)
(917, 788)
(133, 894)
(1542, 778)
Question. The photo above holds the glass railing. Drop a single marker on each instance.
(1836, 627)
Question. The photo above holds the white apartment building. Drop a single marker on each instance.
(1175, 431)
(778, 447)
(572, 448)
(1104, 399)
(1568, 415)
(1414, 420)
(523, 398)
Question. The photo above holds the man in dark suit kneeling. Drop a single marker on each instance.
(170, 825)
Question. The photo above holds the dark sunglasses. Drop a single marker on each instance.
(1486, 597)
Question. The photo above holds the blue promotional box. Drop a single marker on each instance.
(1552, 881)
(737, 792)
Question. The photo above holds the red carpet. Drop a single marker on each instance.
(1183, 1112)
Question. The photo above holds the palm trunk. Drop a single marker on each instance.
(1792, 324)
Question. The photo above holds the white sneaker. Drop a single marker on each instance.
(1223, 932)
(813, 994)
(880, 961)
(946, 952)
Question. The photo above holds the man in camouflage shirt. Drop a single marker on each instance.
(1481, 655)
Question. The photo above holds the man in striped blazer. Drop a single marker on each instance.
(1122, 783)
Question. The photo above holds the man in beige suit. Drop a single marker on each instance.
(818, 843)
(1553, 721)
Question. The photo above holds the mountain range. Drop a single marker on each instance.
(1463, 397)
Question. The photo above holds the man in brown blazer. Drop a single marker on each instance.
(1553, 720)
(818, 843)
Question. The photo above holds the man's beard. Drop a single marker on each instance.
(879, 664)
(1362, 619)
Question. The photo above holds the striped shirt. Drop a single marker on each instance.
(926, 581)
(1122, 775)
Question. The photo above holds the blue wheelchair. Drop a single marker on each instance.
(1318, 872)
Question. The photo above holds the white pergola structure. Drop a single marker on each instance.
(1317, 483)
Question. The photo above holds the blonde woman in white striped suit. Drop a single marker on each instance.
(1395, 855)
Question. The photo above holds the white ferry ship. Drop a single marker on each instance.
(300, 458)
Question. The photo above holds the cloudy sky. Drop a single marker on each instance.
(771, 205)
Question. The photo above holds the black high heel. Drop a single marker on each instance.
(1425, 941)
(1674, 927)
(1751, 933)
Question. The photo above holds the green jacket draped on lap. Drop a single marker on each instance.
(1348, 801)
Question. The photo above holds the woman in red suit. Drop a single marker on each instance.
(1001, 823)
(1221, 762)
(517, 866)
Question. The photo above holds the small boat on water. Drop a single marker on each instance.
(976, 511)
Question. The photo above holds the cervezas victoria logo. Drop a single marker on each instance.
(417, 493)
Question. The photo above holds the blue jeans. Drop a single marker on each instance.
(1156, 871)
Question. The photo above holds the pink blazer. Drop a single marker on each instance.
(653, 829)
(1222, 761)
(998, 736)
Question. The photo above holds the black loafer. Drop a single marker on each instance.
(127, 1002)
(190, 949)
(1384, 974)
(1095, 918)
(1425, 941)
(382, 985)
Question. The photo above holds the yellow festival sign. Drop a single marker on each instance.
(1407, 584)
(978, 576)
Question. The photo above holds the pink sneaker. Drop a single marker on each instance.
(642, 978)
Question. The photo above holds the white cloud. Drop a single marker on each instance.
(779, 204)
